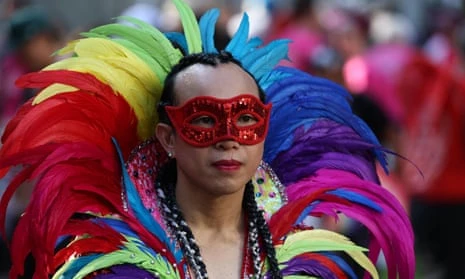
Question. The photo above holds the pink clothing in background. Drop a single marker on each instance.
(304, 43)
(11, 97)
(382, 67)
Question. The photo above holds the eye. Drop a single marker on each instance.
(246, 120)
(204, 121)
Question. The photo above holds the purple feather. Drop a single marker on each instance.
(126, 272)
(309, 267)
(326, 144)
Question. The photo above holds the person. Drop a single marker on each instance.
(300, 25)
(32, 39)
(210, 189)
(432, 137)
(158, 158)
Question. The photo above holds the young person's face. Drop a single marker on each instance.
(221, 164)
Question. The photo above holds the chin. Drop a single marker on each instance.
(222, 189)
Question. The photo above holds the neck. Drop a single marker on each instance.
(223, 214)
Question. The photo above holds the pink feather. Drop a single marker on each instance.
(391, 229)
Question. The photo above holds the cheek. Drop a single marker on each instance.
(255, 154)
(187, 154)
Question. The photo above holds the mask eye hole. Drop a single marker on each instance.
(246, 119)
(204, 121)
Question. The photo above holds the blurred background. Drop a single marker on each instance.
(402, 61)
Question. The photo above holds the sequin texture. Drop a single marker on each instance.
(226, 114)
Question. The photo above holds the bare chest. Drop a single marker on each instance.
(223, 260)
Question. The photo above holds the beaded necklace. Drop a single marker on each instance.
(248, 253)
(247, 261)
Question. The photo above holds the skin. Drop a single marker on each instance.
(37, 52)
(209, 197)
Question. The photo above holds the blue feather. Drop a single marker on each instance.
(124, 229)
(296, 116)
(62, 240)
(272, 78)
(135, 203)
(239, 40)
(118, 225)
(250, 46)
(368, 134)
(179, 39)
(207, 30)
(301, 99)
(264, 59)
(342, 265)
(78, 264)
(298, 79)
(306, 212)
(356, 198)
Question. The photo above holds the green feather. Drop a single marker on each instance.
(190, 26)
(322, 240)
(138, 37)
(92, 35)
(152, 63)
(287, 252)
(173, 54)
(131, 254)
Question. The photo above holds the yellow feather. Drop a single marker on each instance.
(121, 58)
(322, 240)
(69, 48)
(52, 90)
(132, 89)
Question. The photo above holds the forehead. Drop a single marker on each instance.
(223, 81)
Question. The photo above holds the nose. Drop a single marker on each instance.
(227, 144)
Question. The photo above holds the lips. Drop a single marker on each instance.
(227, 165)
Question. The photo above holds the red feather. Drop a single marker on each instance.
(283, 220)
(20, 246)
(325, 261)
(65, 142)
(102, 239)
(8, 194)
(94, 113)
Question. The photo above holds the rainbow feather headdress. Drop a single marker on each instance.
(91, 125)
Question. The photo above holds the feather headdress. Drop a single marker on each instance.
(85, 142)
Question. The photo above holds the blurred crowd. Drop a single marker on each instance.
(406, 80)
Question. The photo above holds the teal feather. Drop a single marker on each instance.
(251, 45)
(178, 39)
(207, 30)
(264, 59)
(271, 78)
(239, 40)
(77, 264)
(136, 205)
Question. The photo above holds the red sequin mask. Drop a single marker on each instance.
(204, 121)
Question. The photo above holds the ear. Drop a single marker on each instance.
(165, 135)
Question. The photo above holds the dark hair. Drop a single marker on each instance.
(178, 227)
(302, 8)
(168, 97)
